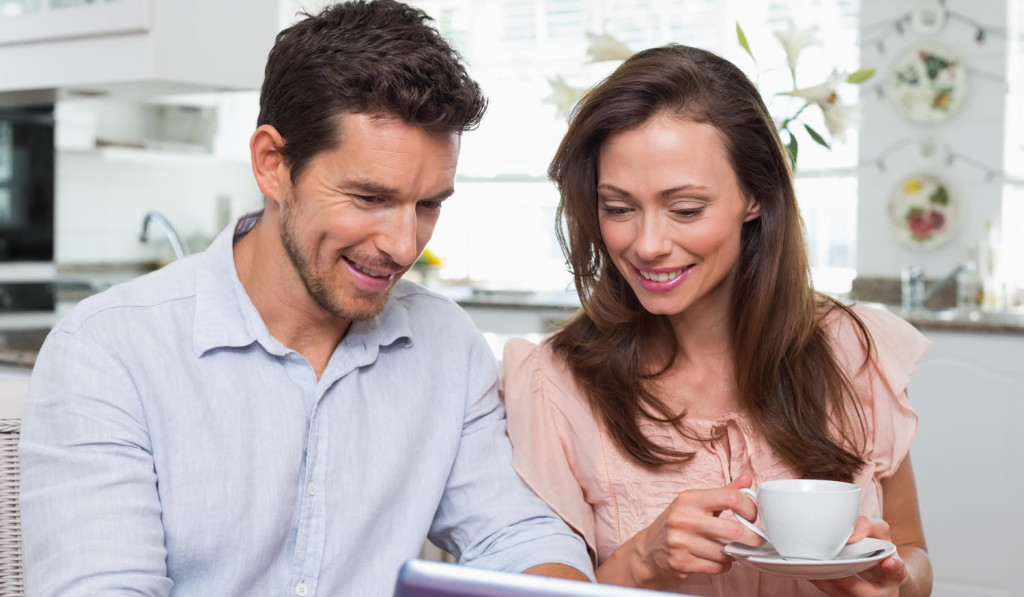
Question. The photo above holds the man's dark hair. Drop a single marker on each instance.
(380, 57)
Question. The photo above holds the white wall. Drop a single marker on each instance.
(103, 195)
(976, 130)
(102, 198)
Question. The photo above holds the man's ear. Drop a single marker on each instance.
(753, 209)
(268, 165)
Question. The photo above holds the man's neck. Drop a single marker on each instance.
(280, 297)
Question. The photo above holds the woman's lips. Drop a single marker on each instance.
(662, 280)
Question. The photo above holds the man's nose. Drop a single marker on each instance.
(398, 237)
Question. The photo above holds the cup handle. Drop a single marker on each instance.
(750, 525)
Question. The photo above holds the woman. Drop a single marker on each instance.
(702, 360)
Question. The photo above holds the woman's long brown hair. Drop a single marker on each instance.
(788, 378)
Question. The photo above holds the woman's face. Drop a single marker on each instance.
(671, 211)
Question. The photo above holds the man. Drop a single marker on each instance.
(280, 414)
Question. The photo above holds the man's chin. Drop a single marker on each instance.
(359, 309)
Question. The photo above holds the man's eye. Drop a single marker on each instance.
(430, 205)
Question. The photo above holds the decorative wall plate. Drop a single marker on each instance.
(922, 211)
(927, 83)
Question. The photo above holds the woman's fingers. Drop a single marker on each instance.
(881, 579)
(861, 530)
(842, 587)
(697, 513)
(870, 527)
(891, 569)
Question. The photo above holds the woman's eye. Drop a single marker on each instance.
(615, 210)
(690, 212)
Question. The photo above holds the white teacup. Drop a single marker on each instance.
(806, 519)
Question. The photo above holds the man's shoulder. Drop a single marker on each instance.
(420, 300)
(430, 318)
(172, 283)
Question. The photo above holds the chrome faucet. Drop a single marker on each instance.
(157, 218)
(913, 291)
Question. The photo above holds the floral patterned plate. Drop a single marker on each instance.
(922, 211)
(927, 83)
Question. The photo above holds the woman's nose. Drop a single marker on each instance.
(652, 239)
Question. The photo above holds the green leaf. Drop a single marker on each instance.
(743, 41)
(793, 149)
(814, 135)
(860, 76)
(940, 196)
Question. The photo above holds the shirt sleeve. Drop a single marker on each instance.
(90, 512)
(488, 517)
(897, 349)
(539, 433)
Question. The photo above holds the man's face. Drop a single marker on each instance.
(361, 213)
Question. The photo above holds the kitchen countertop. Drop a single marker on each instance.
(19, 344)
(19, 347)
(964, 320)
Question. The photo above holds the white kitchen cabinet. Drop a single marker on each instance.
(969, 394)
(135, 48)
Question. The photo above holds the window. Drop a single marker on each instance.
(1013, 190)
(499, 227)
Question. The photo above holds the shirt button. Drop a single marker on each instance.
(311, 488)
(301, 590)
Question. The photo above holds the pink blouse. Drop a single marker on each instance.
(565, 454)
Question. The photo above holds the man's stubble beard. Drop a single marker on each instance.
(316, 285)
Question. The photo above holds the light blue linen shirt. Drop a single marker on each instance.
(172, 446)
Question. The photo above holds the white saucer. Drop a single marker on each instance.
(766, 559)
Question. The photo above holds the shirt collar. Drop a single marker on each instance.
(226, 317)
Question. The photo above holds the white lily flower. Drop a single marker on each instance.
(604, 47)
(795, 40)
(822, 92)
(826, 97)
(563, 96)
(836, 115)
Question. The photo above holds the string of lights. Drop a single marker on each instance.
(928, 19)
(934, 153)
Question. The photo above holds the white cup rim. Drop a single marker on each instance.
(805, 485)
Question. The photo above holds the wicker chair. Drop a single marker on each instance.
(12, 580)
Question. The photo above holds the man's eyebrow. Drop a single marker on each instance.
(442, 195)
(367, 187)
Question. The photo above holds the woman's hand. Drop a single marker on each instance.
(908, 572)
(687, 538)
(882, 579)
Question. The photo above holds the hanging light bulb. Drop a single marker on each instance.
(929, 18)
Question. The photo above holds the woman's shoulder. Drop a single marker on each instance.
(891, 346)
(537, 370)
(884, 329)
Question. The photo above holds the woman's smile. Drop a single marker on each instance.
(662, 280)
